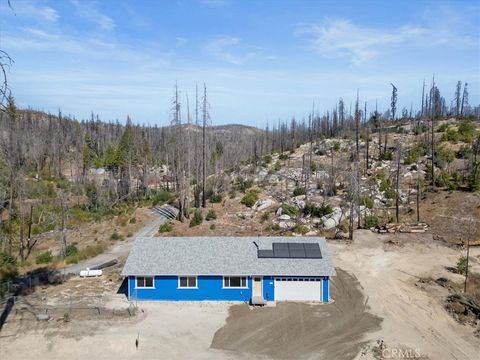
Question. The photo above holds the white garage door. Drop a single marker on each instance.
(298, 289)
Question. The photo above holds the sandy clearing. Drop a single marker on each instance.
(165, 330)
(411, 317)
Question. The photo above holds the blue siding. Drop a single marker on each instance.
(326, 289)
(208, 288)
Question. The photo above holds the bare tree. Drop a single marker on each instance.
(367, 128)
(458, 99)
(205, 118)
(463, 110)
(397, 182)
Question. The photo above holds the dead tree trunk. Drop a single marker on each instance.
(397, 185)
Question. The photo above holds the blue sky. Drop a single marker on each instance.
(262, 60)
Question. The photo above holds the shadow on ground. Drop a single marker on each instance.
(123, 289)
(300, 330)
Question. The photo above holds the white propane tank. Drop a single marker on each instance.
(90, 273)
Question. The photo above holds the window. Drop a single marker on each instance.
(187, 281)
(235, 281)
(144, 282)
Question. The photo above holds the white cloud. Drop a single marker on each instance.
(220, 48)
(233, 51)
(48, 13)
(31, 10)
(88, 11)
(336, 38)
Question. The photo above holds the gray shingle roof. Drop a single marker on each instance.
(221, 256)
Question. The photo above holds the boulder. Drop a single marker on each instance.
(284, 217)
(299, 204)
(332, 220)
(329, 223)
(286, 225)
(263, 204)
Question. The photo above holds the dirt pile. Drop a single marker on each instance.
(298, 330)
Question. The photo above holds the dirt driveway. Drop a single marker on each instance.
(302, 331)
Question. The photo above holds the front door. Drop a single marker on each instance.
(257, 286)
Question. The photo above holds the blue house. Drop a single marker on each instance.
(249, 269)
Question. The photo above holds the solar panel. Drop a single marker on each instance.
(292, 251)
(278, 246)
(312, 251)
(265, 253)
(296, 246)
(281, 253)
(297, 250)
(297, 253)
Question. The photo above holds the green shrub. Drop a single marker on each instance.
(283, 157)
(300, 229)
(44, 258)
(277, 166)
(250, 198)
(129, 234)
(116, 236)
(212, 226)
(165, 227)
(367, 201)
(289, 210)
(232, 194)
(276, 227)
(387, 155)
(211, 215)
(390, 193)
(133, 220)
(442, 127)
(162, 197)
(317, 211)
(464, 152)
(462, 265)
(299, 191)
(450, 135)
(197, 218)
(313, 168)
(336, 146)
(371, 221)
(443, 156)
(216, 198)
(88, 252)
(412, 156)
(267, 159)
(420, 129)
(71, 250)
(466, 131)
(264, 217)
(8, 267)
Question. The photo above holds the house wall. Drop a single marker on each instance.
(326, 289)
(209, 288)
